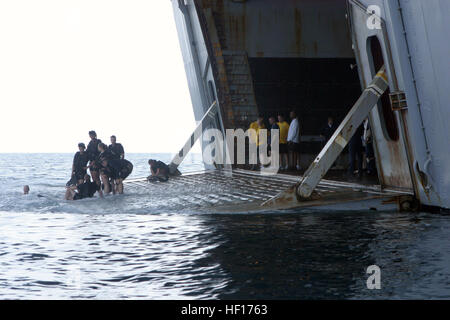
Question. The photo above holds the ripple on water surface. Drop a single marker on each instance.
(152, 246)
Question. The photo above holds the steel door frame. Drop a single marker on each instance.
(401, 117)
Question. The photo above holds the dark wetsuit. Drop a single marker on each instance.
(93, 153)
(86, 190)
(119, 168)
(105, 155)
(117, 150)
(163, 171)
(80, 161)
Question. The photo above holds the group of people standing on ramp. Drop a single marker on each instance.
(108, 168)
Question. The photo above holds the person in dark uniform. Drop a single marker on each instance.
(86, 189)
(93, 153)
(159, 171)
(79, 166)
(273, 126)
(328, 131)
(105, 154)
(118, 170)
(326, 134)
(355, 148)
(116, 149)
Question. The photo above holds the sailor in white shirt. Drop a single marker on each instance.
(294, 141)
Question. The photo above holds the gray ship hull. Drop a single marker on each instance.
(268, 57)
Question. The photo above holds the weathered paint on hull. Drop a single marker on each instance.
(415, 31)
(220, 38)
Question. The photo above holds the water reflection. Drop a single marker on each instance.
(325, 255)
(107, 256)
(302, 255)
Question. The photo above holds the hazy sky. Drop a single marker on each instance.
(115, 66)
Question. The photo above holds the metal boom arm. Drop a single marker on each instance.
(179, 157)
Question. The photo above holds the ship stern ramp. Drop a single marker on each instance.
(270, 57)
(242, 191)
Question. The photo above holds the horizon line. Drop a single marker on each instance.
(53, 152)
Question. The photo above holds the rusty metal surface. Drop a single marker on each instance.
(300, 28)
(240, 85)
(214, 46)
(266, 28)
(391, 156)
(317, 29)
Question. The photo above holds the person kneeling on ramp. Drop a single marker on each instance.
(159, 171)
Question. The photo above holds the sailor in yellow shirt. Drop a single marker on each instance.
(256, 126)
(254, 137)
(284, 129)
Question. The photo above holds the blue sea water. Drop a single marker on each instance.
(135, 246)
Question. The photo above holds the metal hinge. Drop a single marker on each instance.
(398, 101)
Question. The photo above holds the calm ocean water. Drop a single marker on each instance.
(135, 246)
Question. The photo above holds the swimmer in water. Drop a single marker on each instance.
(26, 191)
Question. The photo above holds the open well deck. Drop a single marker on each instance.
(241, 190)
